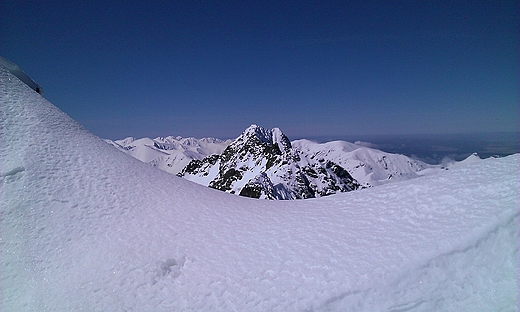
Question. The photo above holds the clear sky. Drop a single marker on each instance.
(311, 68)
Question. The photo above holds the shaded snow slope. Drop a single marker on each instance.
(86, 227)
(19, 73)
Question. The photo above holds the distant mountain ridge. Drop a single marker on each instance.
(264, 163)
(170, 154)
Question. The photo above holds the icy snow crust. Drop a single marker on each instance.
(87, 227)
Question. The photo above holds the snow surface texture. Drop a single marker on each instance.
(86, 227)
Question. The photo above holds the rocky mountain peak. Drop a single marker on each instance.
(256, 135)
(261, 163)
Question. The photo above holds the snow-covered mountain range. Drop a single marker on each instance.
(84, 227)
(263, 163)
(170, 154)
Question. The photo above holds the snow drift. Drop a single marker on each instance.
(87, 227)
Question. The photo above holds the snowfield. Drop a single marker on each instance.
(86, 227)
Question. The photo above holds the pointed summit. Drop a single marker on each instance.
(258, 135)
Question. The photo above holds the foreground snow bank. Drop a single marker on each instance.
(86, 227)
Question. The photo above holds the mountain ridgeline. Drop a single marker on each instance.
(264, 163)
(170, 154)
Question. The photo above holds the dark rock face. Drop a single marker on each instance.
(261, 163)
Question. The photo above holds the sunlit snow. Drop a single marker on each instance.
(86, 227)
(170, 154)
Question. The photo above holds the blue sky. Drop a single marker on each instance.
(311, 68)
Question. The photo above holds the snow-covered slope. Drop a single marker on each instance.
(473, 158)
(170, 154)
(19, 73)
(368, 166)
(261, 163)
(86, 227)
